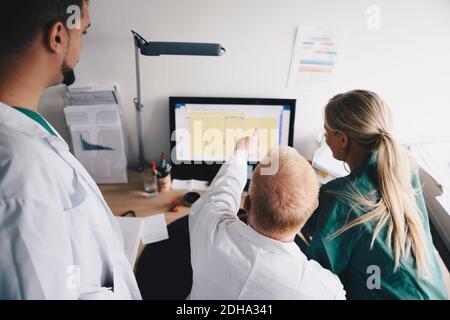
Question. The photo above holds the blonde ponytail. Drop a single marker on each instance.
(365, 119)
(406, 231)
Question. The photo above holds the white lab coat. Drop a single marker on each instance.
(232, 261)
(58, 238)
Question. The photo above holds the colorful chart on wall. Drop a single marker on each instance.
(315, 56)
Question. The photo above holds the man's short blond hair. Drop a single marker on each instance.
(284, 201)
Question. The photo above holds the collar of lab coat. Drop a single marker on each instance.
(10, 117)
(267, 243)
(17, 121)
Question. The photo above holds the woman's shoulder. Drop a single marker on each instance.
(335, 197)
(336, 184)
(363, 180)
(348, 184)
(346, 196)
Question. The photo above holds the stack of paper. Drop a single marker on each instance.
(93, 95)
(148, 230)
(189, 185)
(323, 177)
(435, 160)
(444, 201)
(323, 160)
(154, 229)
(131, 233)
(94, 123)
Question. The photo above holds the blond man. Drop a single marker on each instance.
(232, 260)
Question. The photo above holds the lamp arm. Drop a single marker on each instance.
(139, 107)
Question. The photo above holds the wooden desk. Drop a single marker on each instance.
(124, 197)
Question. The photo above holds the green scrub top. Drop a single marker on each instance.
(36, 117)
(349, 255)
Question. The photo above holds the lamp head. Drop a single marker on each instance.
(177, 48)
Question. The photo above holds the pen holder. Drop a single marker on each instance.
(164, 183)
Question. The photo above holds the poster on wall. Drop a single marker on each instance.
(314, 57)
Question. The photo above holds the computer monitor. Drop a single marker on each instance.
(204, 131)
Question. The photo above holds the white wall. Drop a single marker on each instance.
(407, 62)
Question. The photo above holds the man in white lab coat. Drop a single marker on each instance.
(58, 238)
(232, 260)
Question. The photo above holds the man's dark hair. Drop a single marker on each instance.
(21, 21)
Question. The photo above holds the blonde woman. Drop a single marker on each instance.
(371, 227)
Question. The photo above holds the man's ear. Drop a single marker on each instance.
(57, 38)
(247, 203)
(316, 205)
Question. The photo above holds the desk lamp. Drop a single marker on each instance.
(145, 48)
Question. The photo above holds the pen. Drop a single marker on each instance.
(163, 163)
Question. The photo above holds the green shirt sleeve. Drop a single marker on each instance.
(332, 253)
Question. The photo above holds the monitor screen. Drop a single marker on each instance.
(207, 129)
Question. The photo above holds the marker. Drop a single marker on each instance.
(163, 163)
(155, 172)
